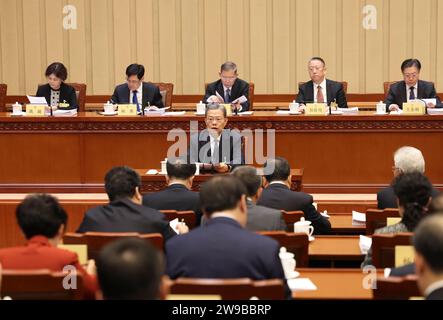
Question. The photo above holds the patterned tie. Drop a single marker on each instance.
(320, 98)
(411, 93)
(135, 100)
(228, 96)
(215, 154)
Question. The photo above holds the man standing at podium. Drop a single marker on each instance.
(136, 91)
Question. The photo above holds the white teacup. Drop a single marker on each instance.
(303, 226)
(201, 108)
(17, 108)
(293, 107)
(288, 262)
(381, 108)
(109, 108)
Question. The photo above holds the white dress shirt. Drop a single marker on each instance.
(323, 89)
(212, 141)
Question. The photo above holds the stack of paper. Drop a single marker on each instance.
(365, 244)
(435, 111)
(174, 224)
(358, 218)
(349, 110)
(174, 113)
(155, 110)
(64, 113)
(301, 284)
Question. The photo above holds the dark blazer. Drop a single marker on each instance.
(67, 93)
(436, 295)
(174, 197)
(125, 216)
(230, 148)
(240, 88)
(397, 93)
(334, 90)
(403, 270)
(151, 94)
(223, 249)
(279, 196)
(386, 198)
(264, 219)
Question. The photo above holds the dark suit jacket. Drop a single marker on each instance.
(240, 88)
(334, 90)
(386, 198)
(403, 270)
(223, 249)
(125, 216)
(264, 219)
(230, 148)
(174, 197)
(397, 93)
(151, 94)
(38, 253)
(67, 93)
(279, 196)
(436, 295)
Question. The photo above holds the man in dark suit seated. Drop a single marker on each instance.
(428, 245)
(406, 159)
(130, 269)
(43, 222)
(411, 88)
(125, 212)
(178, 195)
(222, 248)
(228, 88)
(278, 195)
(136, 91)
(320, 89)
(259, 218)
(216, 149)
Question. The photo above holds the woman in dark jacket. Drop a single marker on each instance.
(57, 93)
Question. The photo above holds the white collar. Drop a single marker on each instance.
(322, 84)
(226, 88)
(433, 286)
(139, 90)
(278, 182)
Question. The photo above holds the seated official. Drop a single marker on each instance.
(320, 89)
(260, 218)
(136, 91)
(56, 92)
(178, 195)
(125, 212)
(428, 246)
(43, 222)
(216, 149)
(228, 89)
(130, 269)
(278, 195)
(413, 191)
(406, 159)
(411, 88)
(222, 248)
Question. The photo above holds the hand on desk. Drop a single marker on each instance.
(430, 105)
(394, 107)
(182, 228)
(214, 99)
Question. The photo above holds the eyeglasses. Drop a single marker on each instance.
(218, 119)
(133, 81)
(411, 75)
(228, 78)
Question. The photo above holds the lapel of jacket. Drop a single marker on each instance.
(145, 94)
(219, 88)
(402, 94)
(421, 90)
(309, 92)
(329, 92)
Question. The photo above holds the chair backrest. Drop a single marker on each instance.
(376, 218)
(188, 217)
(39, 285)
(396, 288)
(97, 240)
(291, 217)
(3, 91)
(297, 243)
(167, 92)
(344, 83)
(230, 289)
(80, 91)
(383, 248)
(251, 94)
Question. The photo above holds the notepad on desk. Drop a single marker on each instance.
(301, 284)
(358, 218)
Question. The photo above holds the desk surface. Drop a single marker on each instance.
(335, 248)
(341, 223)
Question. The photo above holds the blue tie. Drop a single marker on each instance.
(134, 100)
(411, 94)
(228, 96)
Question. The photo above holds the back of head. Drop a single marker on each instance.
(180, 169)
(409, 159)
(40, 215)
(436, 205)
(130, 269)
(428, 242)
(249, 177)
(135, 70)
(221, 194)
(277, 169)
(413, 191)
(121, 183)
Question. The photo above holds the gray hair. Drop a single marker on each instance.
(228, 66)
(409, 159)
(216, 106)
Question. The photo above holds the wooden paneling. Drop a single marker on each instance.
(185, 41)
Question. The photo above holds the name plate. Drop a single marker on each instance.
(315, 109)
(391, 221)
(34, 110)
(414, 108)
(63, 105)
(127, 110)
(228, 108)
(403, 255)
